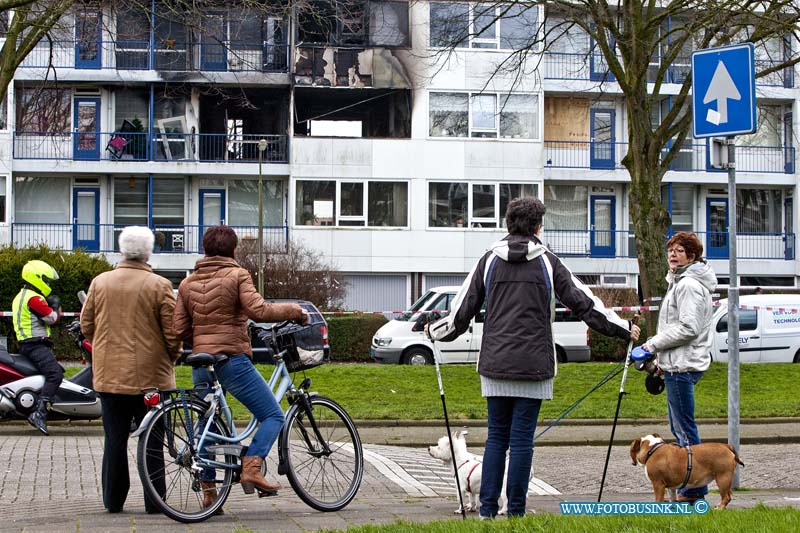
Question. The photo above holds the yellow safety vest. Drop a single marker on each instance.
(26, 324)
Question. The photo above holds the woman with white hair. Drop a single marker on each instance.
(128, 319)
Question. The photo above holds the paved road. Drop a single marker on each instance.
(53, 484)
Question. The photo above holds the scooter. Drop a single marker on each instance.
(21, 384)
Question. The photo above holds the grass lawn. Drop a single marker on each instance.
(760, 519)
(394, 392)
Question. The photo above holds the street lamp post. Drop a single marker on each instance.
(262, 145)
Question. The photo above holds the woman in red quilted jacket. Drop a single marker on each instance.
(211, 314)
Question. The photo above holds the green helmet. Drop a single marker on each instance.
(39, 274)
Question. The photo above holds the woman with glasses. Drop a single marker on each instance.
(683, 340)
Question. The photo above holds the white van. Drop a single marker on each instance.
(765, 336)
(402, 340)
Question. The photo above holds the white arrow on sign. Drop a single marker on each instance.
(720, 89)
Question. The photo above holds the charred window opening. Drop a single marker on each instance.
(233, 121)
(382, 113)
(355, 22)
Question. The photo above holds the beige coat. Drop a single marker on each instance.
(214, 304)
(128, 319)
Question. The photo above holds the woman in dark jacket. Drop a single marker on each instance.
(214, 304)
(519, 280)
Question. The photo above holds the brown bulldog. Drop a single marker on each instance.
(666, 466)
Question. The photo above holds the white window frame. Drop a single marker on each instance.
(472, 38)
(352, 218)
(474, 222)
(337, 199)
(471, 129)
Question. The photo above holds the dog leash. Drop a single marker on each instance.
(614, 371)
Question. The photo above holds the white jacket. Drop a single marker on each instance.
(683, 341)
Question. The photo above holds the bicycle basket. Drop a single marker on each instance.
(303, 345)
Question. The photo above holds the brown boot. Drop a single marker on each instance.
(252, 479)
(209, 489)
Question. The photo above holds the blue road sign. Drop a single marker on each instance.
(723, 91)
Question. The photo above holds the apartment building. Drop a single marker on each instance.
(392, 157)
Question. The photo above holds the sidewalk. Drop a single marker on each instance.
(416, 433)
(52, 484)
(586, 432)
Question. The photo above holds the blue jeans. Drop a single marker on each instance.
(512, 423)
(680, 406)
(240, 378)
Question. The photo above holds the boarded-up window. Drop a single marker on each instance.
(566, 119)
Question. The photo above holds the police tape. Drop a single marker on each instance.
(624, 308)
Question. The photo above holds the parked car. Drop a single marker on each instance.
(314, 336)
(402, 340)
(765, 335)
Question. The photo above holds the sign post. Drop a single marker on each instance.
(724, 105)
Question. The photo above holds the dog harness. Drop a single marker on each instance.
(476, 465)
(688, 466)
(652, 450)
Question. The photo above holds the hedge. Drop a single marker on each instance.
(350, 336)
(75, 271)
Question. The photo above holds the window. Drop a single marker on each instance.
(2, 198)
(388, 203)
(758, 210)
(168, 201)
(457, 114)
(352, 203)
(449, 114)
(314, 204)
(518, 116)
(4, 113)
(682, 208)
(770, 128)
(482, 25)
(484, 115)
(355, 22)
(44, 110)
(567, 207)
(748, 321)
(41, 200)
(130, 201)
(449, 203)
(449, 24)
(243, 202)
(131, 105)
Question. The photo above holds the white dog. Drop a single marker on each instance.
(469, 467)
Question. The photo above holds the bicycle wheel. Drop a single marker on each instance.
(167, 456)
(325, 480)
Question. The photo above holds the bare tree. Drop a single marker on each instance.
(639, 41)
(295, 272)
(27, 23)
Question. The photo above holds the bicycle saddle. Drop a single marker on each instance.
(197, 360)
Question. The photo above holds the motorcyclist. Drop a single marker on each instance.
(35, 309)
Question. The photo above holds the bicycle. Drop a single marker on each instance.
(319, 449)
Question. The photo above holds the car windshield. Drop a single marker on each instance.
(419, 304)
(316, 316)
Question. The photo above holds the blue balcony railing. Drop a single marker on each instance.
(166, 54)
(691, 158)
(590, 67)
(137, 146)
(170, 238)
(619, 243)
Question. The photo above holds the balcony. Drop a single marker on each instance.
(142, 146)
(167, 55)
(592, 67)
(692, 157)
(178, 239)
(617, 243)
